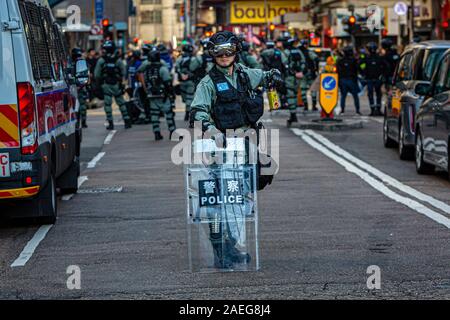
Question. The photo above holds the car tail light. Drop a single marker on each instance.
(27, 117)
(412, 121)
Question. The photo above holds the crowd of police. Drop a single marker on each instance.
(150, 74)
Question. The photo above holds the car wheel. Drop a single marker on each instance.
(421, 166)
(388, 142)
(405, 152)
(48, 202)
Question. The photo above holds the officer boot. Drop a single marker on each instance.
(234, 254)
(84, 124)
(127, 123)
(158, 136)
(110, 125)
(293, 118)
(372, 111)
(221, 259)
(378, 111)
(186, 116)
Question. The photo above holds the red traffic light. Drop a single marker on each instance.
(105, 22)
(445, 24)
(351, 20)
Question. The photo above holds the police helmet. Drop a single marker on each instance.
(245, 46)
(109, 47)
(224, 43)
(304, 43)
(204, 43)
(76, 53)
(188, 48)
(386, 44)
(348, 51)
(161, 47)
(372, 47)
(270, 45)
(146, 48)
(154, 55)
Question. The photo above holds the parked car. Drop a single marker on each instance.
(39, 132)
(416, 66)
(433, 121)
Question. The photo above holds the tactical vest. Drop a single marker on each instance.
(274, 61)
(235, 107)
(111, 72)
(296, 57)
(153, 80)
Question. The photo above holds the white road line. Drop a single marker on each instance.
(377, 185)
(81, 180)
(31, 246)
(110, 137)
(94, 161)
(381, 175)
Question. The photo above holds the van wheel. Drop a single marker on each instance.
(406, 153)
(68, 182)
(48, 202)
(421, 166)
(388, 142)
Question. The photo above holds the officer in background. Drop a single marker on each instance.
(188, 67)
(295, 63)
(207, 60)
(157, 82)
(391, 59)
(347, 69)
(373, 73)
(165, 55)
(77, 54)
(110, 72)
(235, 86)
(246, 58)
(311, 63)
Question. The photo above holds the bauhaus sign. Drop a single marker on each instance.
(256, 12)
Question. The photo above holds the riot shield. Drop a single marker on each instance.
(222, 207)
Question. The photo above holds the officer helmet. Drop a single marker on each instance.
(76, 53)
(348, 51)
(109, 47)
(270, 44)
(188, 48)
(386, 44)
(204, 43)
(161, 47)
(245, 46)
(154, 55)
(224, 43)
(372, 47)
(304, 43)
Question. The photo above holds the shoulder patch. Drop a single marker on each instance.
(223, 86)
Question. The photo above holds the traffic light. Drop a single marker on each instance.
(350, 24)
(107, 33)
(272, 27)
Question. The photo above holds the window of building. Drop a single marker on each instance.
(150, 17)
(150, 1)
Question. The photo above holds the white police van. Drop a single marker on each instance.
(39, 132)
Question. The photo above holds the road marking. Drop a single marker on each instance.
(381, 175)
(31, 246)
(81, 180)
(93, 163)
(110, 137)
(377, 185)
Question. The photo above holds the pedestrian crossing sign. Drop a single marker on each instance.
(328, 91)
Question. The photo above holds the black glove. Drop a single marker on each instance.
(276, 79)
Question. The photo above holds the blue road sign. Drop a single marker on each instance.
(329, 83)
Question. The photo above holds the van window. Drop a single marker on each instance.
(51, 42)
(405, 71)
(430, 61)
(37, 42)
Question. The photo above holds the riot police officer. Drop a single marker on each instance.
(157, 82)
(295, 68)
(187, 67)
(391, 59)
(110, 72)
(311, 62)
(246, 58)
(372, 73)
(347, 69)
(230, 88)
(77, 54)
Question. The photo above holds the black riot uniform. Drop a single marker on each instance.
(391, 59)
(373, 74)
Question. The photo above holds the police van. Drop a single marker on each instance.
(39, 132)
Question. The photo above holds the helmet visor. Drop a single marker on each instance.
(226, 49)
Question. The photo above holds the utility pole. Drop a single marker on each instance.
(411, 22)
(187, 20)
(267, 21)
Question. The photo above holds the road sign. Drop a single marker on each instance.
(96, 29)
(401, 8)
(98, 11)
(328, 92)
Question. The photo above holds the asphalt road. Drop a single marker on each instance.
(329, 215)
